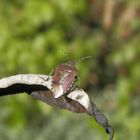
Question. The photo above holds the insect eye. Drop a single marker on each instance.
(76, 77)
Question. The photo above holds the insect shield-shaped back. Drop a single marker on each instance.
(63, 79)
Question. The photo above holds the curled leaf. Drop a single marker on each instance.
(41, 88)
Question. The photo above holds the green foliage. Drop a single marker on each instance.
(36, 36)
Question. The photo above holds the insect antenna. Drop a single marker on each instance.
(74, 62)
(84, 58)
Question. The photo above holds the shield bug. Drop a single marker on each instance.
(64, 78)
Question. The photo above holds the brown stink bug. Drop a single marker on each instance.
(64, 78)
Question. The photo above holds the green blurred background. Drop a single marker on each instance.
(37, 35)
